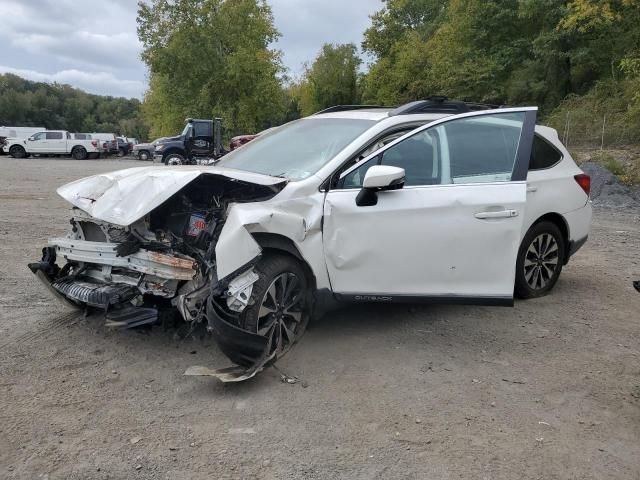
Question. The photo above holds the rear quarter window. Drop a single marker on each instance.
(543, 154)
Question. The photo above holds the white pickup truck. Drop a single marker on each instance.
(52, 142)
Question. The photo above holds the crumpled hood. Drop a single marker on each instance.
(124, 196)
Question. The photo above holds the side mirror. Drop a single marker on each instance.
(30, 139)
(377, 179)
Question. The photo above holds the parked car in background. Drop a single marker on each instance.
(52, 142)
(434, 201)
(145, 151)
(238, 141)
(17, 132)
(124, 146)
(108, 141)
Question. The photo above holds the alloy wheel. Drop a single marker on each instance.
(281, 310)
(541, 261)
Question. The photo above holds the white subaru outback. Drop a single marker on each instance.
(433, 201)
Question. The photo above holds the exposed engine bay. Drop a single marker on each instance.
(161, 263)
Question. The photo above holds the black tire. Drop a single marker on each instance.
(143, 155)
(173, 159)
(271, 269)
(540, 260)
(79, 153)
(17, 151)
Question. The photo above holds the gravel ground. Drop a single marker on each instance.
(548, 389)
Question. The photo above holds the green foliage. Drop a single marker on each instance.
(332, 79)
(55, 106)
(211, 58)
(499, 51)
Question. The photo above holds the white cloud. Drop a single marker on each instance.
(93, 44)
(101, 83)
(114, 50)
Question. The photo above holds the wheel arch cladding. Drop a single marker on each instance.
(560, 222)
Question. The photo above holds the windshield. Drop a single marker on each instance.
(298, 149)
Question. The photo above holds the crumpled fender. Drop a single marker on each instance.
(236, 246)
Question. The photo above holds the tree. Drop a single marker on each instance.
(332, 79)
(211, 58)
(55, 106)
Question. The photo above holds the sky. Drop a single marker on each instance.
(92, 44)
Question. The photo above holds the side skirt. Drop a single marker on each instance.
(435, 299)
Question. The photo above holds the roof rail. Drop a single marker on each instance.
(344, 108)
(439, 104)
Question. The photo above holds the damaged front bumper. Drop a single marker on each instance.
(143, 261)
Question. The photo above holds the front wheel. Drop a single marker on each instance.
(143, 155)
(540, 260)
(280, 303)
(17, 152)
(173, 159)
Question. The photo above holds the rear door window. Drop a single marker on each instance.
(54, 135)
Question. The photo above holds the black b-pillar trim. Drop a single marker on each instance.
(521, 167)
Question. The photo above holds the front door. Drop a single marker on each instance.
(37, 143)
(452, 233)
(201, 143)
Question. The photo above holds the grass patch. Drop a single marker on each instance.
(628, 173)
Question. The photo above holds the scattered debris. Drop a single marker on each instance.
(517, 382)
(225, 375)
(418, 420)
(544, 423)
(138, 467)
(134, 440)
(636, 285)
(284, 378)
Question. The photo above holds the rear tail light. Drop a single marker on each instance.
(584, 181)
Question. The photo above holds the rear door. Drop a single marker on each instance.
(452, 233)
(56, 142)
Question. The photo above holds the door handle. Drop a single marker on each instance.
(532, 188)
(498, 214)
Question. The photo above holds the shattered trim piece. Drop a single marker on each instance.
(240, 289)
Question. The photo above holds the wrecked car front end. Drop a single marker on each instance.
(142, 246)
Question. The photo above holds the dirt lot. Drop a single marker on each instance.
(548, 389)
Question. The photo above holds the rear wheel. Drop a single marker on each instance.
(540, 260)
(79, 153)
(173, 159)
(143, 155)
(17, 151)
(279, 304)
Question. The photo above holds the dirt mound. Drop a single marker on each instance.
(606, 189)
